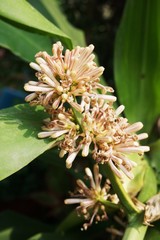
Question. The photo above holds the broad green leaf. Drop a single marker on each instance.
(23, 43)
(155, 154)
(134, 186)
(52, 6)
(150, 185)
(155, 158)
(137, 61)
(21, 12)
(19, 126)
(6, 234)
(18, 227)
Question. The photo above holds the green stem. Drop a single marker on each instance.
(122, 194)
(135, 229)
(110, 205)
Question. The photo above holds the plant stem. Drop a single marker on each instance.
(122, 194)
(135, 229)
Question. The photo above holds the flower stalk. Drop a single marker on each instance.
(135, 229)
(124, 197)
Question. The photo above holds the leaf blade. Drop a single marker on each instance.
(19, 126)
(23, 43)
(137, 60)
(27, 15)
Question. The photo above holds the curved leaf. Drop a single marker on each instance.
(19, 126)
(20, 11)
(23, 43)
(53, 8)
(137, 61)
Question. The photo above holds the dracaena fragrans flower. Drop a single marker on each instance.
(108, 137)
(64, 77)
(67, 85)
(113, 138)
(101, 132)
(61, 122)
(92, 199)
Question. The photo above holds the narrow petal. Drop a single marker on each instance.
(71, 158)
(134, 127)
(35, 66)
(31, 88)
(89, 174)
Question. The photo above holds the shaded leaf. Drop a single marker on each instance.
(52, 10)
(137, 61)
(23, 43)
(155, 158)
(152, 234)
(19, 126)
(27, 15)
(52, 236)
(18, 227)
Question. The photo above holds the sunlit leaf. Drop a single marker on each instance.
(137, 61)
(19, 127)
(150, 185)
(52, 9)
(21, 12)
(134, 186)
(23, 43)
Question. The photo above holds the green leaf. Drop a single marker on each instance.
(150, 185)
(20, 11)
(152, 234)
(155, 158)
(52, 10)
(137, 61)
(52, 236)
(23, 43)
(134, 186)
(19, 126)
(18, 227)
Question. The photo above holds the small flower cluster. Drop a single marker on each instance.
(63, 78)
(81, 112)
(92, 199)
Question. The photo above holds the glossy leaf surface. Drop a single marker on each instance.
(19, 126)
(137, 61)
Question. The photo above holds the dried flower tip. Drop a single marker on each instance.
(152, 210)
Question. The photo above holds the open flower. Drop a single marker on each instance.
(63, 78)
(108, 137)
(113, 138)
(92, 199)
(61, 122)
